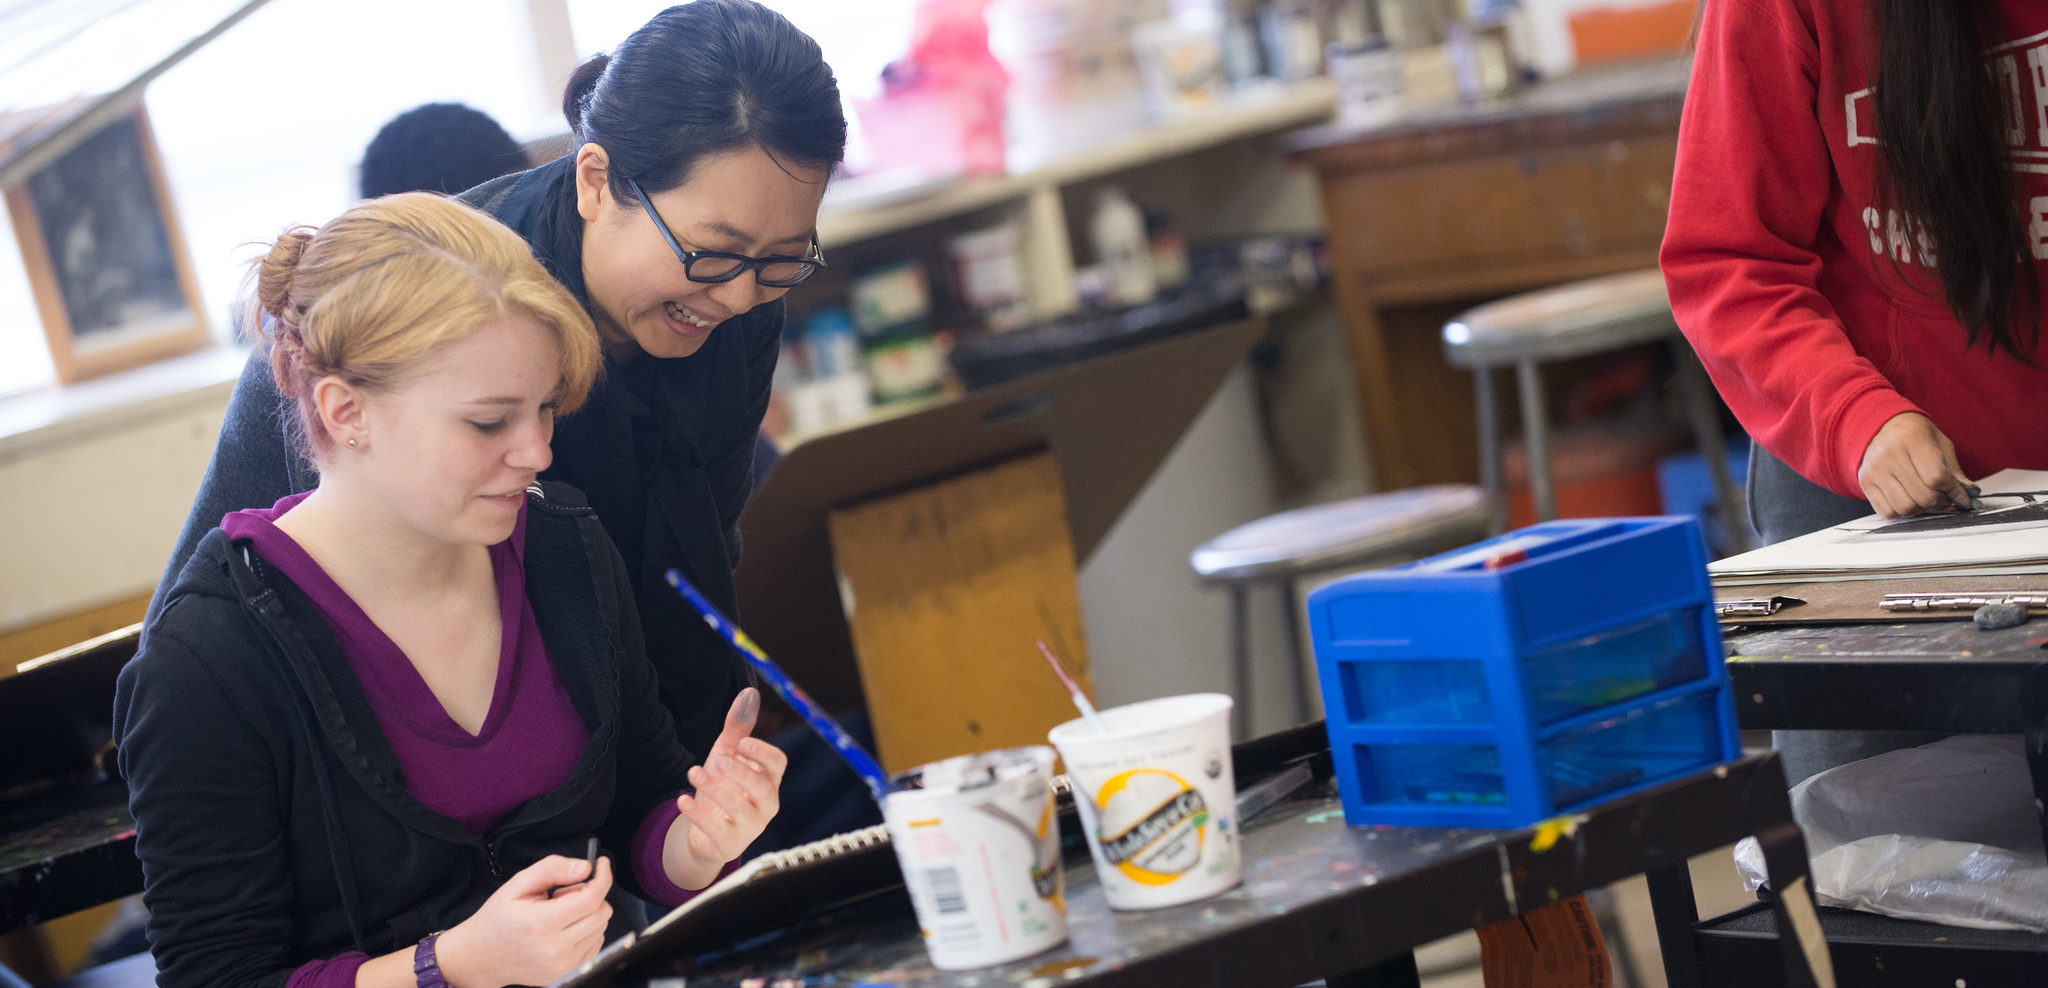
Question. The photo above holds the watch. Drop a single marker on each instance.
(426, 968)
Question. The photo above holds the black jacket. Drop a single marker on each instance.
(663, 449)
(271, 814)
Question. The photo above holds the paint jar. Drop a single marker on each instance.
(1157, 799)
(979, 842)
(1370, 89)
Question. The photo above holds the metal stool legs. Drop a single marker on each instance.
(1292, 600)
(1489, 447)
(1706, 428)
(1536, 438)
(1241, 655)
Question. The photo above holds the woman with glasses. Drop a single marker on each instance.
(687, 209)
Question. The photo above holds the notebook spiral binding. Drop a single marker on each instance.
(858, 840)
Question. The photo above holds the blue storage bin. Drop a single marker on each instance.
(1525, 676)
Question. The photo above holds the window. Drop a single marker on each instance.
(262, 128)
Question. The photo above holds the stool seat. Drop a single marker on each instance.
(1323, 536)
(1377, 529)
(1570, 320)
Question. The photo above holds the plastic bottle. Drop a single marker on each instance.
(1122, 246)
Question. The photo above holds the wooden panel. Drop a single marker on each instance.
(1411, 246)
(947, 588)
(23, 644)
(1518, 209)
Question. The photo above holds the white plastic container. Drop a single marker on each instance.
(1157, 798)
(1371, 90)
(1121, 246)
(979, 843)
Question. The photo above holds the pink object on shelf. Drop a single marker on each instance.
(942, 104)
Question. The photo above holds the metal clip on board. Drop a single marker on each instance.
(1962, 600)
(1747, 607)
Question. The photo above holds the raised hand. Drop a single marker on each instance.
(737, 794)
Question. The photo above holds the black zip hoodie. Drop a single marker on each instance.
(271, 814)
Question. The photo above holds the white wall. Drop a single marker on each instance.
(92, 519)
(1152, 631)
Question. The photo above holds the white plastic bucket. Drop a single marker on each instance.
(979, 842)
(1157, 798)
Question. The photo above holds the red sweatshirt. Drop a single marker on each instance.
(1781, 266)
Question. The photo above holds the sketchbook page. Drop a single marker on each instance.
(2002, 532)
(763, 894)
(1779, 581)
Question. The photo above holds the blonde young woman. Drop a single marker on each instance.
(377, 722)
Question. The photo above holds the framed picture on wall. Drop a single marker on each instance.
(105, 256)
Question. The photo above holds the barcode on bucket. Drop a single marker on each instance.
(945, 886)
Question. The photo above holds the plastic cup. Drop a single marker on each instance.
(979, 842)
(1157, 799)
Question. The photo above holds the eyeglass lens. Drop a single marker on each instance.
(716, 268)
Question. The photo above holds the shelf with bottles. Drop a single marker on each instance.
(861, 208)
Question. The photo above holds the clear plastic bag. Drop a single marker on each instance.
(1946, 833)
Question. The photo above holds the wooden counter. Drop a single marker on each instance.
(1460, 204)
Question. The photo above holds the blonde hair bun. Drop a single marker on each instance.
(385, 285)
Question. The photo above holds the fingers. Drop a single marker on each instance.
(765, 756)
(585, 895)
(1910, 467)
(1938, 486)
(581, 940)
(739, 722)
(549, 872)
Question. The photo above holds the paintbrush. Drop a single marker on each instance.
(1073, 688)
(857, 757)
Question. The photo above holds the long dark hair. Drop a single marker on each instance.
(705, 77)
(1944, 162)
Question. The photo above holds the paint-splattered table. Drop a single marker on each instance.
(1319, 900)
(64, 851)
(1944, 676)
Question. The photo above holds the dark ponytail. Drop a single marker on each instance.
(1945, 163)
(705, 77)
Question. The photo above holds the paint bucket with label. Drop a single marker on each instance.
(1153, 783)
(979, 841)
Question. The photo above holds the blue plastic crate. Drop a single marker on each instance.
(1525, 676)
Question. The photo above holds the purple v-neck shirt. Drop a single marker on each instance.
(529, 740)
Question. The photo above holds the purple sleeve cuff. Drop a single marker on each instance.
(647, 869)
(335, 972)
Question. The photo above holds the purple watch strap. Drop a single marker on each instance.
(426, 968)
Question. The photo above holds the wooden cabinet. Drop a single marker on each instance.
(1566, 180)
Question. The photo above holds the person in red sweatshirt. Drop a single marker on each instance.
(1859, 215)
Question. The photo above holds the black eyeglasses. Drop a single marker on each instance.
(716, 267)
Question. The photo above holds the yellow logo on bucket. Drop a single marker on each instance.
(1151, 825)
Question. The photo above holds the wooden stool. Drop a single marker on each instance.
(1574, 319)
(1359, 533)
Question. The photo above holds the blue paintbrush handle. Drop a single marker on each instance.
(827, 728)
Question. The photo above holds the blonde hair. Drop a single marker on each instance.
(390, 282)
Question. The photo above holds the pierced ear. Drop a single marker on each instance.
(593, 178)
(341, 408)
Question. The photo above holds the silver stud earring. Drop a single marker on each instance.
(351, 442)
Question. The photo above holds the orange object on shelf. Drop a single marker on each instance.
(1608, 34)
(1601, 470)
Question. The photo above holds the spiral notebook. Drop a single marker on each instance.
(765, 893)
